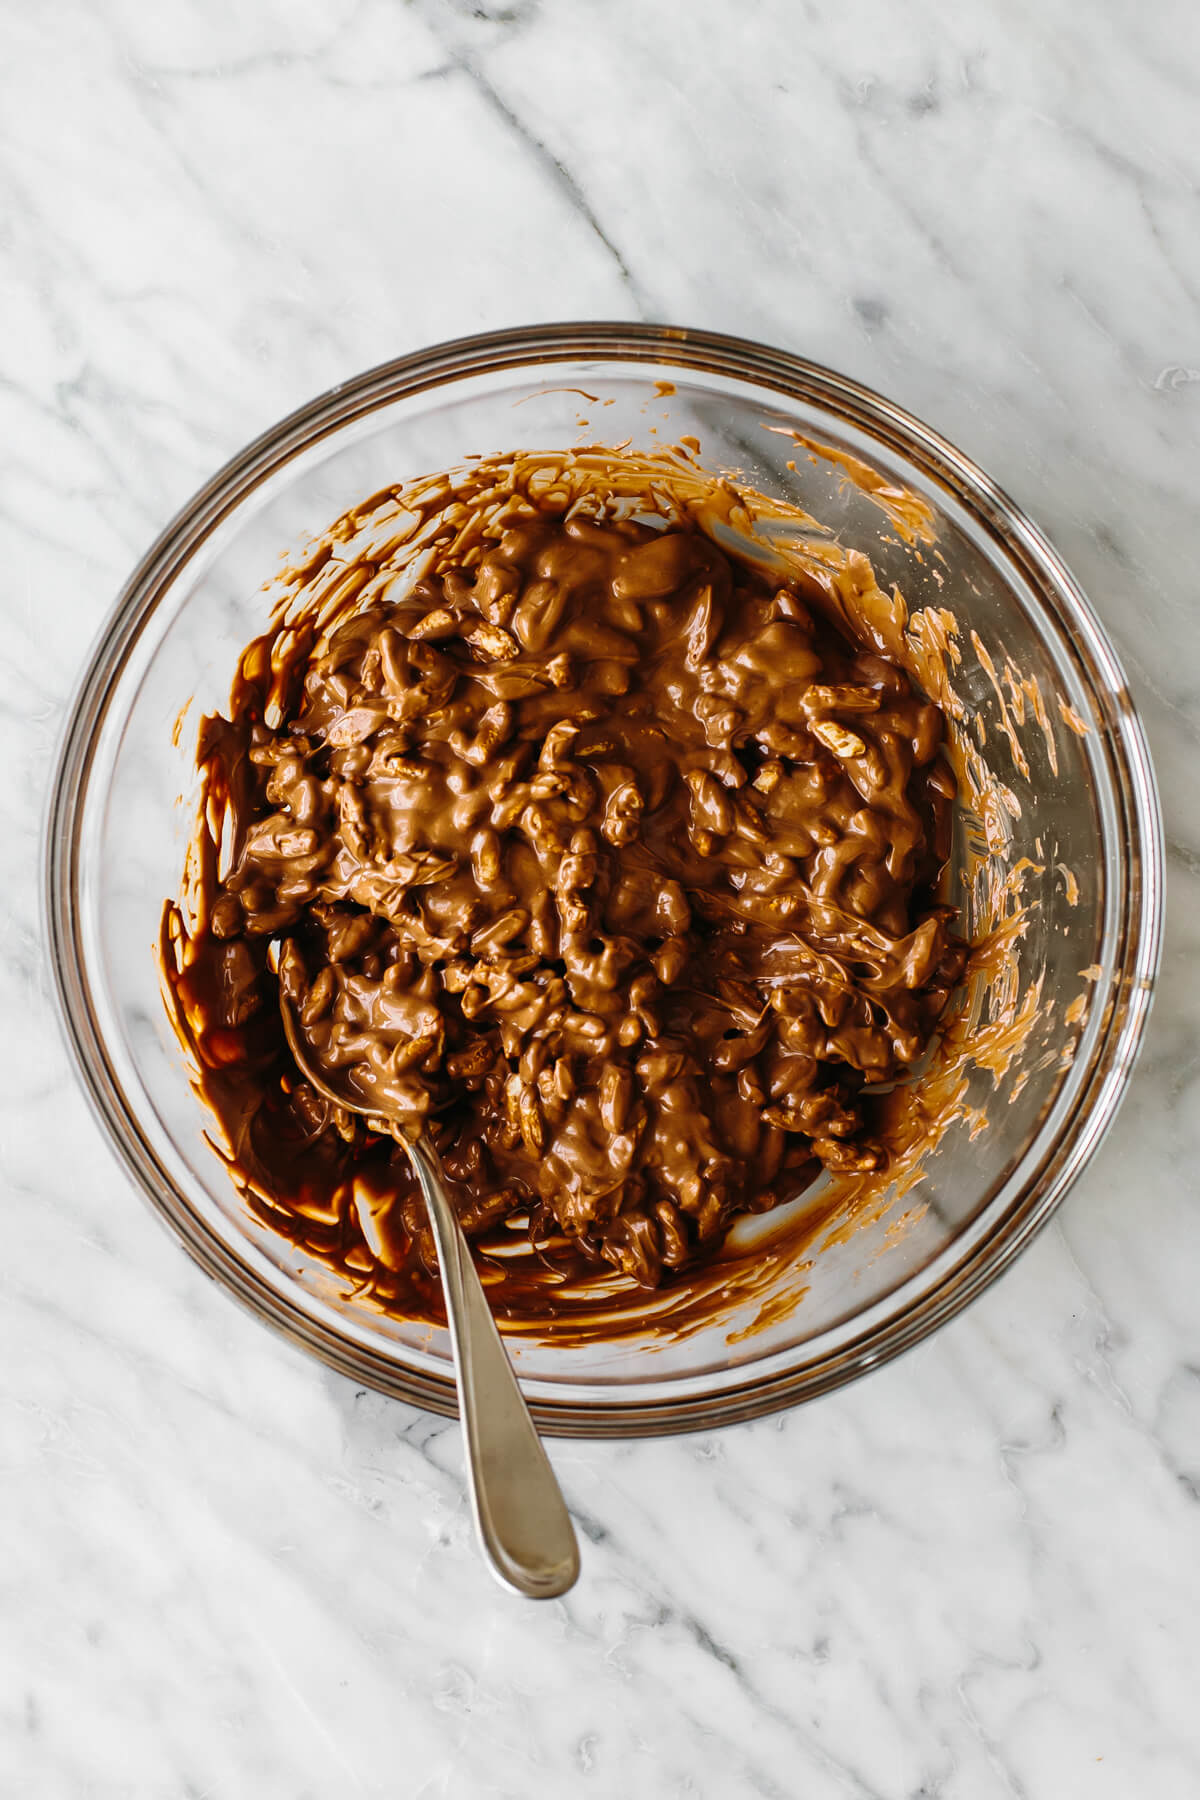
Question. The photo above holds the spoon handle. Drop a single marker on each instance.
(520, 1514)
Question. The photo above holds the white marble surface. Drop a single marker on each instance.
(224, 1572)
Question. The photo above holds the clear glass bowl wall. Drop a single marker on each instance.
(121, 812)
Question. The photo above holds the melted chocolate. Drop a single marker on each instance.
(600, 858)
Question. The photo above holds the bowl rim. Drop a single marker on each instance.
(1137, 953)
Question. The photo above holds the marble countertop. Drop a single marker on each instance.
(226, 1572)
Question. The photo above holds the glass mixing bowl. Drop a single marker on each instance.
(117, 830)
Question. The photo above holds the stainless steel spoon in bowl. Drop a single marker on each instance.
(524, 1528)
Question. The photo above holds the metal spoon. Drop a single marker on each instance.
(524, 1528)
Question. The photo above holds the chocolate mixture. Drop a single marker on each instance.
(603, 861)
